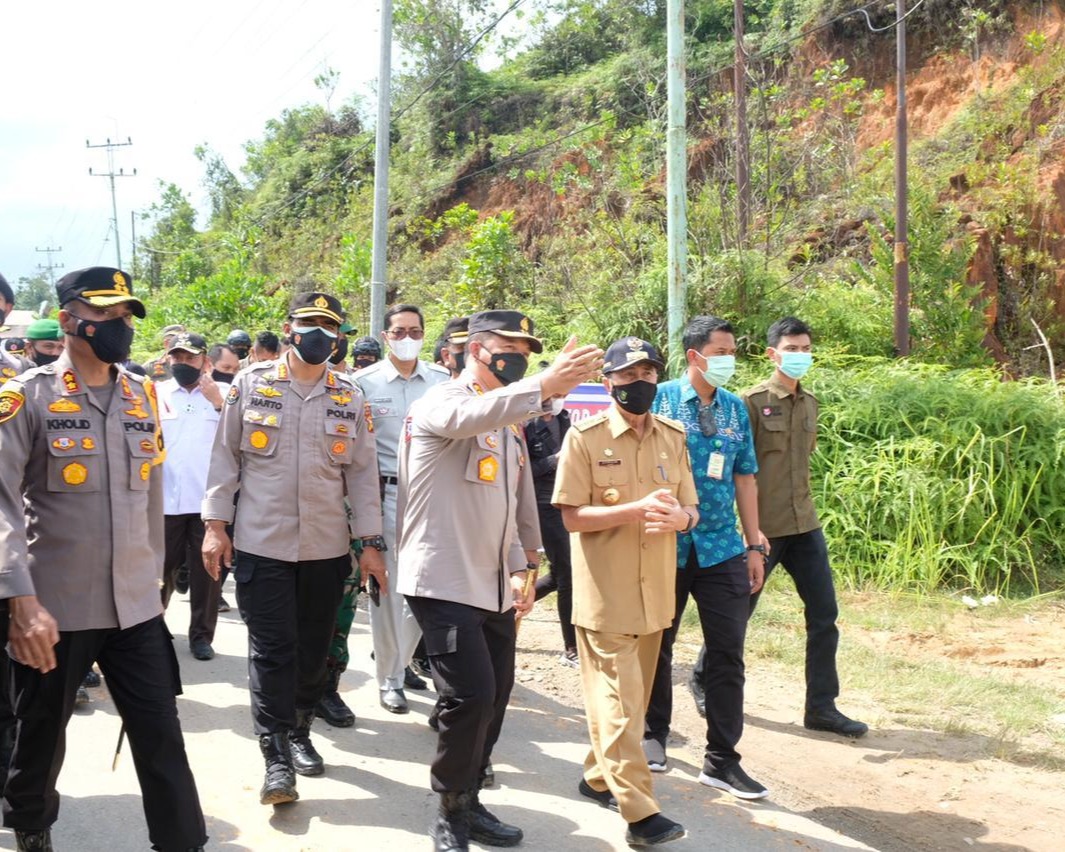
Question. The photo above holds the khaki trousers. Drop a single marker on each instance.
(617, 672)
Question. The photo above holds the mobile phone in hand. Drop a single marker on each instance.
(374, 590)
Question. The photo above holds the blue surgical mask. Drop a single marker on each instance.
(795, 365)
(719, 369)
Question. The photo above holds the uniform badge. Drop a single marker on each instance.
(524, 324)
(611, 496)
(64, 444)
(233, 395)
(268, 391)
(8, 373)
(148, 445)
(75, 474)
(339, 447)
(253, 416)
(70, 382)
(88, 444)
(330, 379)
(270, 420)
(340, 398)
(146, 471)
(282, 371)
(137, 411)
(127, 389)
(342, 428)
(367, 414)
(487, 469)
(258, 439)
(64, 406)
(321, 302)
(608, 452)
(11, 402)
(491, 441)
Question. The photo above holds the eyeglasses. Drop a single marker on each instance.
(707, 423)
(400, 333)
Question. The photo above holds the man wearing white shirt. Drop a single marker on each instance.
(189, 409)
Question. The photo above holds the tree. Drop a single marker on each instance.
(30, 292)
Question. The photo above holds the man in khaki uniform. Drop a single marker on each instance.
(81, 557)
(293, 437)
(461, 562)
(624, 486)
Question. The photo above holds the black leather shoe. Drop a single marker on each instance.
(450, 830)
(831, 720)
(279, 786)
(604, 800)
(420, 666)
(81, 697)
(653, 830)
(305, 757)
(412, 681)
(92, 679)
(434, 718)
(485, 827)
(331, 706)
(181, 580)
(394, 701)
(34, 841)
(202, 650)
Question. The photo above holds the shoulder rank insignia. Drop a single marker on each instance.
(127, 390)
(64, 406)
(11, 402)
(70, 382)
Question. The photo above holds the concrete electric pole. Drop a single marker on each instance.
(111, 174)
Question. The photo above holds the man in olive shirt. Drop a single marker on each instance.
(624, 486)
(784, 418)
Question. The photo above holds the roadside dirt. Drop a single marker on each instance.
(899, 788)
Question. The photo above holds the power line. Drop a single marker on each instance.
(111, 174)
(48, 267)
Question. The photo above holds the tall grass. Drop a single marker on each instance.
(928, 478)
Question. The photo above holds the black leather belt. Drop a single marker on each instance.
(390, 480)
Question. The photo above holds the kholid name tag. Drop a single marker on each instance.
(715, 469)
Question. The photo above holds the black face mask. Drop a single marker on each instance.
(360, 363)
(341, 351)
(314, 346)
(109, 339)
(635, 397)
(186, 374)
(219, 376)
(40, 359)
(507, 366)
(240, 351)
(458, 362)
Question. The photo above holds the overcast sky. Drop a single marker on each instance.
(170, 76)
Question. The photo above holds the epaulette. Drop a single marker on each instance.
(761, 387)
(672, 424)
(436, 368)
(34, 372)
(589, 422)
(346, 379)
(135, 377)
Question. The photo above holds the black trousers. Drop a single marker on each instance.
(471, 653)
(290, 609)
(556, 545)
(143, 678)
(184, 546)
(722, 593)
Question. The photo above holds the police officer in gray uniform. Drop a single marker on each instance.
(461, 563)
(81, 550)
(390, 387)
(293, 438)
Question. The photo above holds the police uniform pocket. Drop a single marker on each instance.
(142, 453)
(483, 465)
(261, 433)
(338, 441)
(73, 463)
(610, 479)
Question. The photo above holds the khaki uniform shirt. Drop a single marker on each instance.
(88, 540)
(159, 370)
(461, 460)
(624, 580)
(388, 398)
(294, 461)
(785, 436)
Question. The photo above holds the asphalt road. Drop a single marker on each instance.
(375, 792)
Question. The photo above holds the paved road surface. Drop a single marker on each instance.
(375, 793)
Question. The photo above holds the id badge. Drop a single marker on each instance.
(716, 467)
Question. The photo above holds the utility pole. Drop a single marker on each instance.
(902, 244)
(379, 271)
(743, 145)
(48, 267)
(676, 176)
(111, 174)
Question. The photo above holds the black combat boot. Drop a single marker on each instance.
(305, 758)
(34, 841)
(280, 784)
(451, 830)
(487, 828)
(331, 706)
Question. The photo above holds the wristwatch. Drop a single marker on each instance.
(532, 566)
(757, 548)
(691, 522)
(377, 542)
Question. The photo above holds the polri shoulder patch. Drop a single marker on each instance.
(11, 401)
